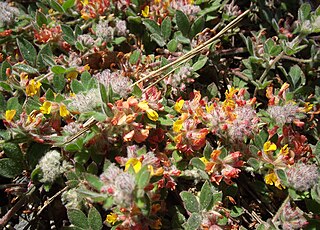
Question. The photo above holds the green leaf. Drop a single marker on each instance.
(282, 176)
(93, 181)
(78, 218)
(196, 162)
(254, 163)
(4, 66)
(58, 69)
(13, 151)
(58, 82)
(166, 28)
(3, 105)
(92, 168)
(68, 34)
(56, 6)
(68, 4)
(27, 51)
(35, 152)
(134, 57)
(197, 27)
(119, 40)
(190, 201)
(10, 168)
(202, 60)
(194, 221)
(46, 50)
(166, 121)
(205, 196)
(294, 76)
(25, 68)
(48, 59)
(213, 90)
(143, 178)
(94, 219)
(152, 26)
(13, 104)
(41, 19)
(76, 86)
(182, 22)
(315, 193)
(158, 39)
(137, 91)
(207, 150)
(236, 211)
(172, 45)
(304, 12)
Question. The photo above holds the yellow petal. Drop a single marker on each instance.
(152, 115)
(269, 146)
(177, 125)
(112, 218)
(10, 114)
(178, 106)
(33, 87)
(143, 105)
(63, 111)
(135, 163)
(46, 107)
(145, 11)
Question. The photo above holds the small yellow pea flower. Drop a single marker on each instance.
(177, 125)
(10, 114)
(145, 12)
(152, 115)
(135, 163)
(269, 146)
(143, 105)
(112, 218)
(272, 179)
(63, 111)
(46, 107)
(178, 106)
(284, 150)
(33, 87)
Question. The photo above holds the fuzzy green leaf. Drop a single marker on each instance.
(172, 45)
(190, 201)
(205, 196)
(25, 68)
(10, 168)
(94, 219)
(27, 51)
(197, 26)
(78, 218)
(152, 26)
(182, 22)
(166, 28)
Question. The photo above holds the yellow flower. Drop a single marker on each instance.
(85, 16)
(209, 108)
(63, 111)
(272, 179)
(10, 114)
(143, 105)
(33, 87)
(229, 93)
(72, 75)
(269, 146)
(112, 218)
(152, 115)
(307, 107)
(145, 12)
(85, 2)
(135, 163)
(177, 125)
(178, 106)
(46, 107)
(284, 150)
(204, 160)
